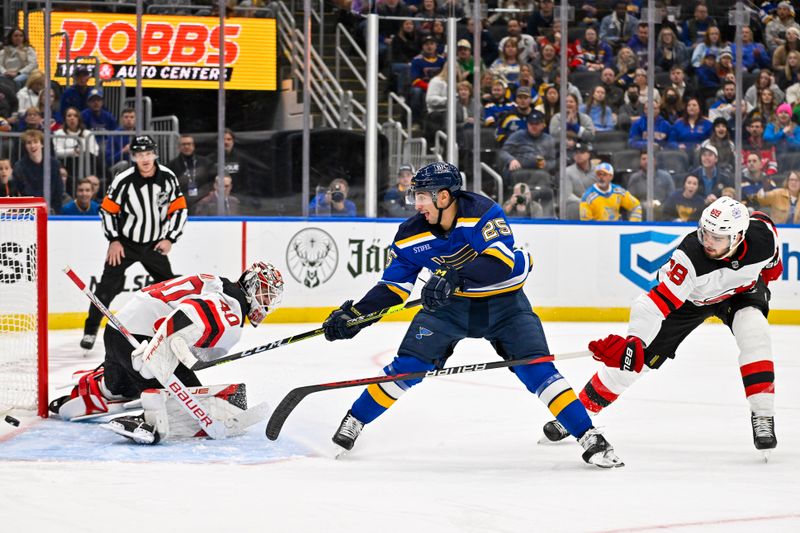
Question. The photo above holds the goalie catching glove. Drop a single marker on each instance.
(617, 352)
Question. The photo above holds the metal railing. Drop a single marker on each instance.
(147, 109)
(498, 179)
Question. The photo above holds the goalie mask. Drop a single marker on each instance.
(724, 218)
(263, 286)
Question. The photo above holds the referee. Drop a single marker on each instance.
(143, 214)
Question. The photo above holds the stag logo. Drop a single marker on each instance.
(312, 257)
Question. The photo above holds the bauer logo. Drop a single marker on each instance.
(312, 257)
(642, 254)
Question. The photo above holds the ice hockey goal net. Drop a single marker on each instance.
(23, 304)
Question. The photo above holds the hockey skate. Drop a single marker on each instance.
(89, 398)
(348, 432)
(764, 434)
(598, 451)
(134, 428)
(554, 431)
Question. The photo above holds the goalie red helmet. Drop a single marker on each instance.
(263, 285)
(724, 217)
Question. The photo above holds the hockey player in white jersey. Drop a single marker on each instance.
(721, 270)
(178, 321)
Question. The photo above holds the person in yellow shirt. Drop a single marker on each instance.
(604, 200)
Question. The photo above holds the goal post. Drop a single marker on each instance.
(23, 304)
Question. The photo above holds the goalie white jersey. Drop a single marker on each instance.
(207, 310)
(690, 276)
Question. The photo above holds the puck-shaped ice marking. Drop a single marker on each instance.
(11, 420)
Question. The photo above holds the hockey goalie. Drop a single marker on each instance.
(178, 322)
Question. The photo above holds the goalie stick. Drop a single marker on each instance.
(295, 396)
(375, 315)
(177, 389)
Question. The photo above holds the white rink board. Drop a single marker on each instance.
(327, 262)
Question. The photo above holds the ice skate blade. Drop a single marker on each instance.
(339, 452)
(545, 441)
(766, 454)
(606, 460)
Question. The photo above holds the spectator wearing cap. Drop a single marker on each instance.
(605, 200)
(529, 148)
(712, 44)
(95, 116)
(782, 132)
(775, 32)
(465, 61)
(792, 44)
(619, 26)
(394, 201)
(694, 30)
(76, 94)
(712, 178)
(663, 185)
(580, 176)
(515, 118)
(637, 136)
(754, 55)
(423, 68)
(528, 49)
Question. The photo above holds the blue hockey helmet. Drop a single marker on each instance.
(436, 177)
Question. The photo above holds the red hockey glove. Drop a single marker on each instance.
(616, 352)
(772, 271)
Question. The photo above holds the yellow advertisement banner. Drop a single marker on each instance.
(177, 51)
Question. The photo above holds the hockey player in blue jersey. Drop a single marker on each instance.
(474, 291)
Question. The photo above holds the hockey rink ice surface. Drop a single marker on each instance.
(456, 453)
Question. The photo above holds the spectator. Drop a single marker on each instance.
(56, 118)
(29, 170)
(605, 200)
(590, 53)
(695, 29)
(603, 117)
(754, 178)
(95, 116)
(754, 143)
(195, 172)
(546, 65)
(488, 46)
(498, 103)
(712, 178)
(32, 119)
(580, 176)
(530, 148)
(17, 57)
(725, 105)
(712, 44)
(466, 63)
(691, 130)
(388, 27)
(663, 185)
(619, 26)
(721, 140)
(405, 46)
(427, 14)
(790, 73)
(436, 103)
(792, 44)
(528, 49)
(438, 33)
(95, 181)
(236, 167)
(464, 115)
(333, 201)
(526, 79)
(783, 19)
(551, 104)
(708, 81)
(487, 80)
(671, 106)
(28, 96)
(765, 106)
(638, 43)
(627, 63)
(640, 82)
(521, 203)
(423, 68)
(506, 67)
(208, 205)
(8, 185)
(515, 118)
(541, 20)
(614, 92)
(677, 81)
(76, 94)
(579, 125)
(754, 55)
(73, 139)
(684, 205)
(783, 201)
(82, 205)
(631, 109)
(395, 202)
(765, 80)
(670, 52)
(725, 65)
(118, 147)
(782, 132)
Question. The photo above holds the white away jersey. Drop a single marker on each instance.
(690, 276)
(214, 308)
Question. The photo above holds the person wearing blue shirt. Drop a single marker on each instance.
(75, 95)
(754, 55)
(333, 201)
(95, 117)
(474, 290)
(783, 133)
(82, 205)
(637, 137)
(692, 129)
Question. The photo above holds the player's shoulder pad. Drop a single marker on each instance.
(472, 205)
(412, 226)
(760, 238)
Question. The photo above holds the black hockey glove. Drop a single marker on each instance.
(336, 324)
(437, 290)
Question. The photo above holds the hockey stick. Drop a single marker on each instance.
(184, 397)
(375, 315)
(295, 396)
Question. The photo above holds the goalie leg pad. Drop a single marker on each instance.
(89, 396)
(751, 329)
(225, 403)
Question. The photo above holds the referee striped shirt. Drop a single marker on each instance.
(144, 210)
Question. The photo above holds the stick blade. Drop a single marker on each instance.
(284, 409)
